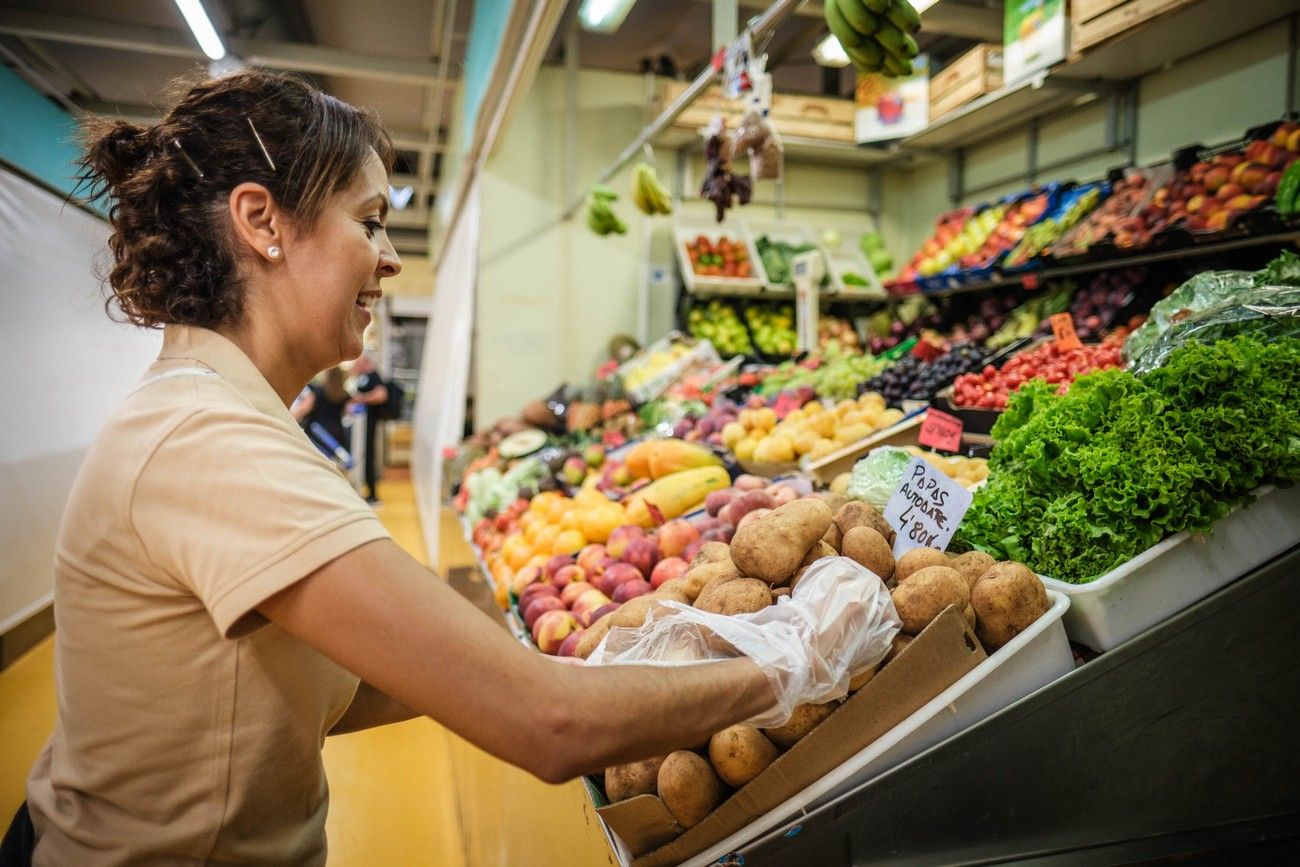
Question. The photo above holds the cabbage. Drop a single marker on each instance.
(876, 477)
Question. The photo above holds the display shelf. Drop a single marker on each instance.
(998, 112)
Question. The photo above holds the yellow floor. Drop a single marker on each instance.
(409, 794)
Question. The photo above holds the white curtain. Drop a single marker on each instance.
(66, 367)
(439, 414)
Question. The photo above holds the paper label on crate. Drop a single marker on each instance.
(926, 508)
(1063, 330)
(940, 431)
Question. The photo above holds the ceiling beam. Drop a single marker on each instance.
(156, 40)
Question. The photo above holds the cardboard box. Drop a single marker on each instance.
(813, 117)
(945, 651)
(826, 469)
(1118, 19)
(1033, 37)
(975, 73)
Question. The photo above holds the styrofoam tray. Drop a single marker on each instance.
(686, 229)
(1179, 571)
(1032, 660)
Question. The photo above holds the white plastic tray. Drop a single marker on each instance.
(1179, 571)
(1032, 660)
(793, 233)
(686, 229)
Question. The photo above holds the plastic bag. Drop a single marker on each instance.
(876, 477)
(1201, 292)
(1266, 313)
(758, 138)
(838, 622)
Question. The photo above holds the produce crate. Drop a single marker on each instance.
(818, 118)
(686, 229)
(701, 354)
(1179, 571)
(1093, 22)
(904, 433)
(794, 234)
(847, 258)
(975, 73)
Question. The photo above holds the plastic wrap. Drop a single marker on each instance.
(1266, 313)
(876, 477)
(1199, 293)
(838, 622)
(756, 137)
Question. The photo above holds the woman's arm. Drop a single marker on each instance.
(303, 406)
(371, 708)
(387, 619)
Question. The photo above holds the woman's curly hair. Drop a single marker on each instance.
(168, 185)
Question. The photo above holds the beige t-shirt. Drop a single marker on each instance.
(189, 728)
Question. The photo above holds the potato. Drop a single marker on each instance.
(688, 787)
(927, 592)
(968, 613)
(834, 500)
(856, 513)
(972, 565)
(865, 545)
(689, 585)
(632, 613)
(897, 646)
(711, 552)
(739, 753)
(628, 781)
(1006, 599)
(741, 596)
(840, 484)
(805, 718)
(834, 538)
(771, 547)
(818, 551)
(863, 678)
(916, 559)
(778, 592)
(593, 635)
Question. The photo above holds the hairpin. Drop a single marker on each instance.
(270, 162)
(176, 143)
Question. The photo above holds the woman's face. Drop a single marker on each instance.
(336, 267)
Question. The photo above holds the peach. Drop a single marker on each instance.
(675, 535)
(643, 554)
(571, 593)
(619, 539)
(568, 575)
(589, 601)
(534, 590)
(539, 606)
(619, 573)
(1282, 134)
(556, 563)
(1216, 177)
(1227, 191)
(1195, 203)
(551, 628)
(570, 643)
(667, 569)
(591, 556)
(1293, 141)
(631, 590)
(1253, 177)
(718, 534)
(749, 482)
(607, 608)
(1268, 187)
(524, 577)
(1218, 222)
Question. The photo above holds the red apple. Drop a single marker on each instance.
(571, 593)
(643, 554)
(568, 575)
(590, 557)
(667, 569)
(540, 606)
(570, 643)
(674, 536)
(631, 590)
(551, 628)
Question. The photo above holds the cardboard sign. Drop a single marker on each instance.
(1063, 329)
(926, 508)
(940, 431)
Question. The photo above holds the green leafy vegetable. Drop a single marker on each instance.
(1083, 482)
(1282, 271)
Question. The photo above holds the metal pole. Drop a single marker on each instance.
(775, 15)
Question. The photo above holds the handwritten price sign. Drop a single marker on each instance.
(1063, 331)
(926, 508)
(940, 431)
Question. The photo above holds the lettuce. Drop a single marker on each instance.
(1082, 482)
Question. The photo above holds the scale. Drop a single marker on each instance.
(808, 270)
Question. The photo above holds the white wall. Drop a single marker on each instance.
(66, 367)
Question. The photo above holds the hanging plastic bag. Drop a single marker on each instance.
(839, 621)
(756, 136)
(1266, 313)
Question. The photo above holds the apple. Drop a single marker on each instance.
(631, 590)
(619, 539)
(568, 575)
(674, 536)
(551, 628)
(570, 643)
(667, 569)
(643, 554)
(573, 591)
(539, 606)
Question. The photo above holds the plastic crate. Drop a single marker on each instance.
(687, 229)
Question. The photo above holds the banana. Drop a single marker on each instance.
(896, 67)
(895, 41)
(839, 25)
(648, 194)
(867, 57)
(903, 16)
(877, 6)
(860, 18)
(640, 192)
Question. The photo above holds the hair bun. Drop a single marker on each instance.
(117, 150)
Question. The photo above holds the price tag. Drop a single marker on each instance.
(926, 351)
(940, 431)
(1029, 281)
(1063, 330)
(926, 508)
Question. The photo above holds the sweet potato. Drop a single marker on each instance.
(628, 781)
(927, 592)
(771, 547)
(805, 718)
(856, 513)
(1006, 599)
(741, 596)
(688, 787)
(866, 546)
(739, 753)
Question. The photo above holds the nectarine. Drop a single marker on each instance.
(539, 606)
(551, 628)
(675, 535)
(667, 569)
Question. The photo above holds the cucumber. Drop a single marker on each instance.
(1288, 190)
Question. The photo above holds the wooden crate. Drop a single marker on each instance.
(812, 117)
(975, 73)
(1086, 10)
(1117, 20)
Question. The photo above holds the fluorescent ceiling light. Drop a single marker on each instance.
(201, 27)
(603, 16)
(829, 52)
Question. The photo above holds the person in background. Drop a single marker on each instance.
(323, 402)
(371, 392)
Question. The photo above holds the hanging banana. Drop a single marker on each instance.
(875, 34)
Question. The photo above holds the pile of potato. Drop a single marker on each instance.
(771, 550)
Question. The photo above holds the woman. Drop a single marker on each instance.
(323, 404)
(224, 599)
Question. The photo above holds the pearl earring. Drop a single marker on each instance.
(273, 251)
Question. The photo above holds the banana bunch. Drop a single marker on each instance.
(875, 34)
(648, 194)
(601, 218)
